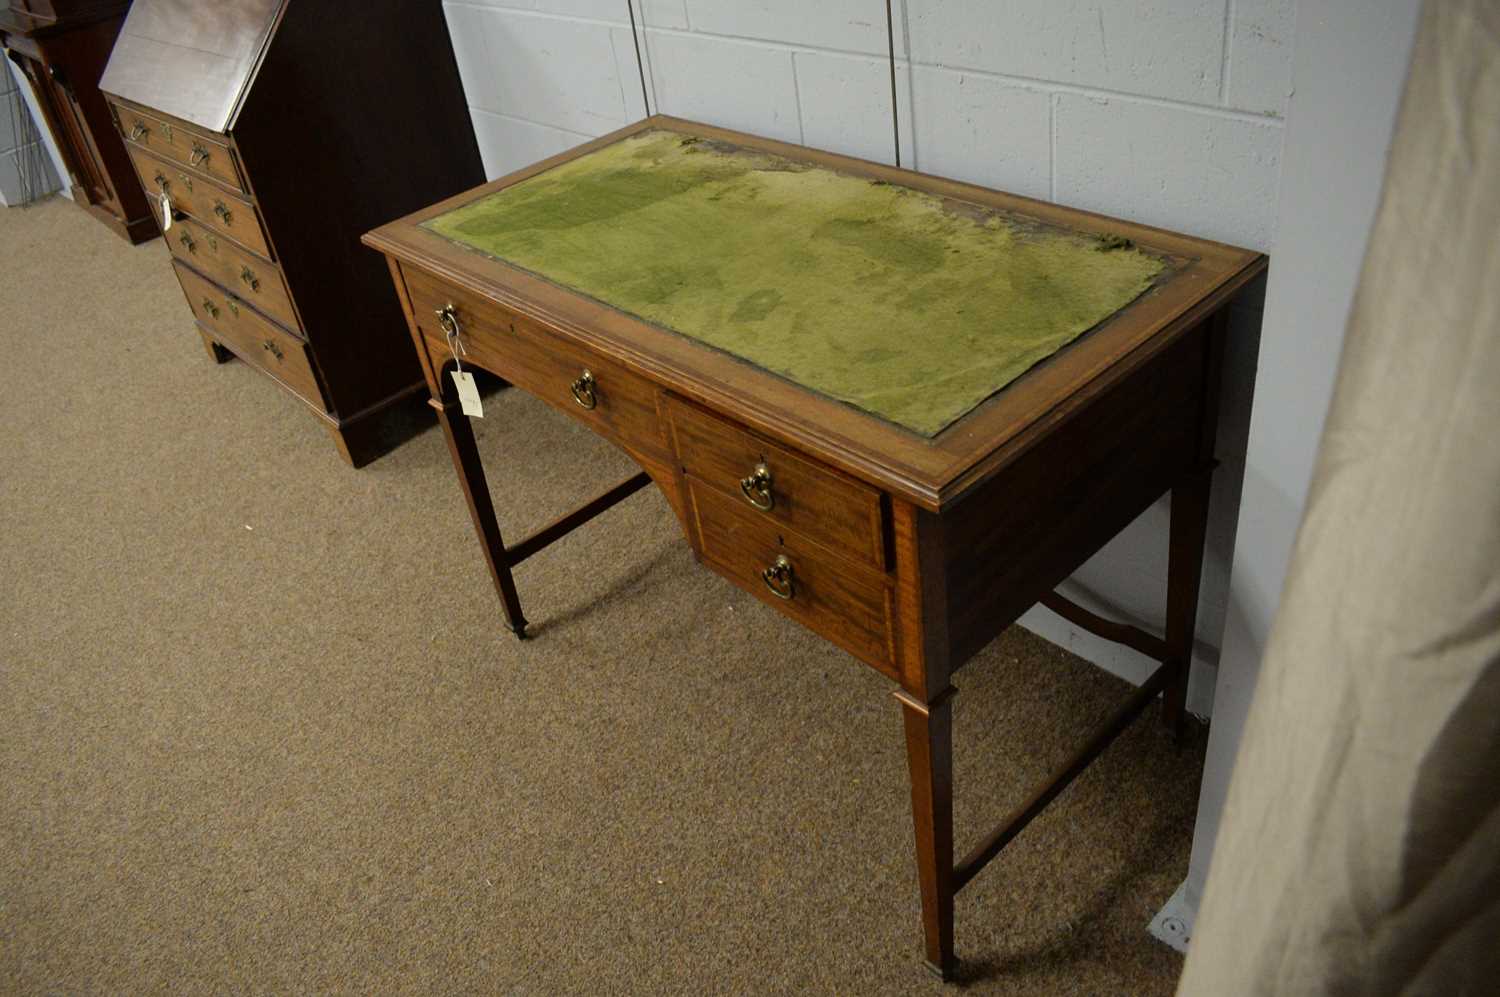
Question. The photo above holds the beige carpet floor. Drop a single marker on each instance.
(261, 730)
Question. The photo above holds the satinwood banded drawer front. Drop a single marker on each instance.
(253, 337)
(252, 278)
(212, 205)
(851, 606)
(784, 488)
(573, 378)
(202, 151)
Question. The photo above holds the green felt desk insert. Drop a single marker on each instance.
(909, 306)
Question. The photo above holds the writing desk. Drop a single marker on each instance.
(897, 445)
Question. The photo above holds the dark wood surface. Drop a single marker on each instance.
(828, 508)
(179, 143)
(284, 130)
(250, 335)
(850, 605)
(256, 280)
(61, 49)
(228, 213)
(910, 553)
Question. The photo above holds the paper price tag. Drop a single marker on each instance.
(166, 212)
(468, 394)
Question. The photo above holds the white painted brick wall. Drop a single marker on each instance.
(1157, 48)
(1167, 112)
(1200, 171)
(983, 130)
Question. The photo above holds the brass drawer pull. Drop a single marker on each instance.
(248, 276)
(778, 578)
(448, 319)
(757, 488)
(211, 308)
(271, 347)
(234, 307)
(225, 215)
(139, 132)
(583, 390)
(187, 242)
(199, 157)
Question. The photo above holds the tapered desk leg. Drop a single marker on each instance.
(1189, 531)
(461, 446)
(929, 755)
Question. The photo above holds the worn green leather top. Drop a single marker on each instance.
(907, 305)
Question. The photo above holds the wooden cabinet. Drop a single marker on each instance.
(61, 47)
(273, 133)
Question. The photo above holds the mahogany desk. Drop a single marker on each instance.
(909, 550)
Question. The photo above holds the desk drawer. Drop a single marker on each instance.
(253, 337)
(251, 277)
(849, 605)
(620, 406)
(202, 151)
(212, 206)
(820, 503)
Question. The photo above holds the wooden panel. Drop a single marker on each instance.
(253, 338)
(214, 206)
(545, 364)
(250, 277)
(848, 605)
(201, 151)
(194, 60)
(1028, 528)
(823, 505)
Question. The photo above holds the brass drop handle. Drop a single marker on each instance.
(448, 319)
(139, 131)
(223, 212)
(187, 242)
(779, 578)
(211, 308)
(583, 390)
(757, 488)
(248, 276)
(200, 155)
(271, 347)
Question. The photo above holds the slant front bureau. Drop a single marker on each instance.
(896, 409)
(270, 134)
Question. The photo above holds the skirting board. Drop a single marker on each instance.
(1173, 924)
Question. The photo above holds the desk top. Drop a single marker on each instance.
(905, 304)
(1152, 293)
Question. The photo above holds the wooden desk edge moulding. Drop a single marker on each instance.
(909, 552)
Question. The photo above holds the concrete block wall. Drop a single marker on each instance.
(1168, 112)
(17, 154)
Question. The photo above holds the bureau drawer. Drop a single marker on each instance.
(211, 205)
(202, 151)
(252, 278)
(615, 403)
(253, 337)
(851, 606)
(780, 486)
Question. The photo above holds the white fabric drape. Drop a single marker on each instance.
(1360, 847)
